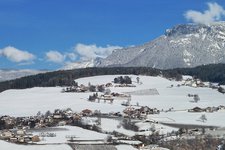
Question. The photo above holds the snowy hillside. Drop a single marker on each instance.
(13, 74)
(171, 100)
(10, 146)
(30, 101)
(182, 46)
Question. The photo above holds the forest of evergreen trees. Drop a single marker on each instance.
(212, 73)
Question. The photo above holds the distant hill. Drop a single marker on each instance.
(9, 74)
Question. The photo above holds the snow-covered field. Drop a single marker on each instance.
(111, 125)
(29, 101)
(125, 147)
(10, 146)
(213, 119)
(70, 131)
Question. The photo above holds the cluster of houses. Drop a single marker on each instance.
(14, 129)
(107, 96)
(119, 82)
(194, 83)
(18, 136)
(139, 113)
(90, 88)
(198, 83)
(207, 109)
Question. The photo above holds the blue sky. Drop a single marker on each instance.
(47, 34)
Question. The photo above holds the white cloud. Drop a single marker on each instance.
(87, 52)
(55, 56)
(214, 13)
(81, 52)
(71, 56)
(16, 55)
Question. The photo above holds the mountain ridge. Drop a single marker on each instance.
(184, 45)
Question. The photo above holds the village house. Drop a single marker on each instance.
(82, 88)
(8, 122)
(194, 83)
(20, 132)
(100, 88)
(221, 107)
(211, 109)
(199, 83)
(48, 120)
(130, 112)
(28, 138)
(86, 112)
(35, 138)
(57, 116)
(108, 98)
(140, 112)
(76, 117)
(108, 85)
(196, 109)
(145, 110)
(6, 135)
(120, 95)
(13, 139)
(20, 139)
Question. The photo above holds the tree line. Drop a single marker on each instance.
(211, 73)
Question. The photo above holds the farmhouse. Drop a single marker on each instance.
(145, 110)
(108, 85)
(211, 109)
(86, 112)
(6, 134)
(35, 138)
(57, 116)
(221, 107)
(196, 109)
(194, 83)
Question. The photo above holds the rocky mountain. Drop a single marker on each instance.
(14, 74)
(182, 46)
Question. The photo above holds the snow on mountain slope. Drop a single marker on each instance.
(187, 45)
(13, 74)
(76, 65)
(82, 64)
